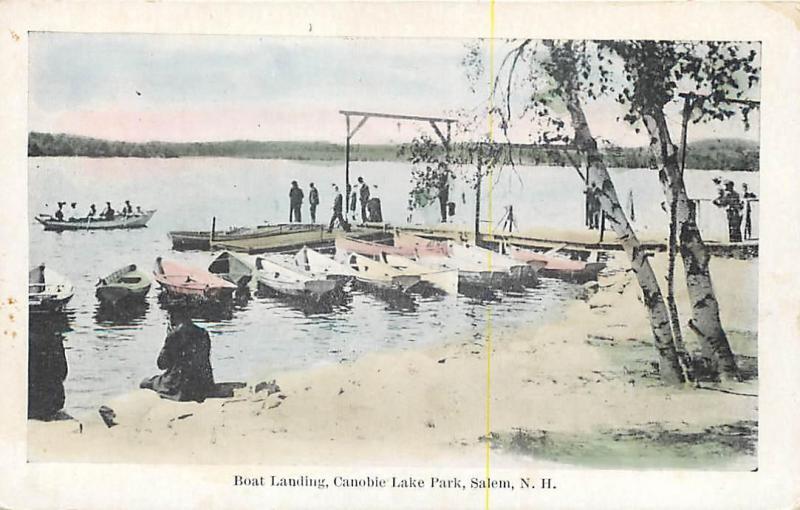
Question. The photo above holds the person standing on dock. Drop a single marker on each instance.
(748, 196)
(185, 359)
(337, 212)
(313, 202)
(295, 201)
(363, 197)
(729, 199)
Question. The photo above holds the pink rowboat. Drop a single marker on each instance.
(179, 280)
(369, 248)
(558, 267)
(415, 246)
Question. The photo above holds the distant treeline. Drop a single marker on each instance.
(716, 154)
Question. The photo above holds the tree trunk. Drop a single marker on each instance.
(716, 353)
(669, 367)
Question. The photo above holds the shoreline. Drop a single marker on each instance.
(561, 393)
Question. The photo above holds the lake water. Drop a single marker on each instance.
(109, 356)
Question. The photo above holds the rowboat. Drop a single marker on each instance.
(444, 279)
(233, 268)
(181, 281)
(520, 272)
(557, 267)
(126, 222)
(376, 274)
(476, 269)
(441, 278)
(411, 245)
(202, 240)
(315, 262)
(48, 291)
(282, 278)
(125, 284)
(347, 244)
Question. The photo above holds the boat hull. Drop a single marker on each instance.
(132, 222)
(48, 291)
(232, 268)
(283, 279)
(558, 267)
(191, 284)
(115, 294)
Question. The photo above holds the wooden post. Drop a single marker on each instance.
(478, 205)
(347, 170)
(602, 224)
(213, 229)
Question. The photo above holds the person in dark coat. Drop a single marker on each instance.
(592, 206)
(108, 213)
(295, 201)
(337, 212)
(444, 191)
(363, 197)
(185, 360)
(374, 213)
(313, 202)
(92, 211)
(47, 368)
(729, 199)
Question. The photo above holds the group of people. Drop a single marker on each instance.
(370, 205)
(734, 204)
(593, 209)
(108, 213)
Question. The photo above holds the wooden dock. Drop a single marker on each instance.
(580, 244)
(293, 241)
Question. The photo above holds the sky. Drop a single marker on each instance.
(140, 87)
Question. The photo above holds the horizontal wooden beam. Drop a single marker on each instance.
(348, 113)
(733, 100)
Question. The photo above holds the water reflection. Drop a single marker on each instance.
(130, 314)
(210, 311)
(47, 364)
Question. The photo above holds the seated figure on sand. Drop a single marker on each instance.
(185, 360)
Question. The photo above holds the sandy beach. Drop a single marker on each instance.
(581, 391)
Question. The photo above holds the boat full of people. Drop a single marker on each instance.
(58, 223)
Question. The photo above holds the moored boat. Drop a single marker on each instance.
(557, 267)
(441, 278)
(233, 268)
(125, 284)
(376, 274)
(203, 240)
(119, 222)
(474, 270)
(519, 272)
(48, 291)
(281, 277)
(317, 263)
(192, 283)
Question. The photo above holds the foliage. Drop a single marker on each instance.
(715, 72)
(715, 154)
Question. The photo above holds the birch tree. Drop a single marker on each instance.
(710, 74)
(557, 76)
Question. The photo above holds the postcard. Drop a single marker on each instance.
(396, 255)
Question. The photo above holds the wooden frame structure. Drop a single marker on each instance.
(444, 135)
